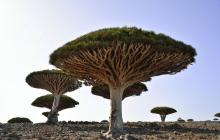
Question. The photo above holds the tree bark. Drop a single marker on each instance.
(163, 117)
(56, 102)
(115, 119)
(53, 115)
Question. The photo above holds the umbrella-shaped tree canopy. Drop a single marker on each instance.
(217, 114)
(55, 81)
(119, 56)
(134, 90)
(47, 102)
(163, 110)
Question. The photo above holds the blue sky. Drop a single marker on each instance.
(31, 30)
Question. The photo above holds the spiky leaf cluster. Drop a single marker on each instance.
(128, 35)
(122, 56)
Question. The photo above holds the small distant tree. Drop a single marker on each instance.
(47, 102)
(163, 112)
(217, 115)
(180, 120)
(55, 81)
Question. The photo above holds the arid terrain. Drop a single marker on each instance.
(93, 131)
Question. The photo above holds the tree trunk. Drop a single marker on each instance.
(56, 102)
(53, 115)
(115, 119)
(163, 117)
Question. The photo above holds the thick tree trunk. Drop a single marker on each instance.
(56, 102)
(163, 117)
(115, 119)
(53, 115)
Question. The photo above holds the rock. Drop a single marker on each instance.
(42, 138)
(176, 133)
(129, 137)
(175, 126)
(13, 136)
(153, 125)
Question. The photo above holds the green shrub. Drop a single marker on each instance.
(190, 120)
(217, 115)
(180, 120)
(19, 120)
(215, 119)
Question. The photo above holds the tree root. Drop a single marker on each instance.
(113, 135)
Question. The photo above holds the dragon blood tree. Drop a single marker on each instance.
(47, 102)
(163, 112)
(217, 115)
(119, 58)
(55, 81)
(133, 90)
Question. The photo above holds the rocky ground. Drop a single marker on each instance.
(94, 130)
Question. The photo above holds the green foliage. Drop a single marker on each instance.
(19, 120)
(217, 114)
(133, 90)
(215, 119)
(128, 35)
(180, 120)
(47, 102)
(44, 72)
(163, 110)
(190, 120)
(45, 114)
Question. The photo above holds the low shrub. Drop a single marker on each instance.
(180, 120)
(19, 120)
(190, 120)
(104, 121)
